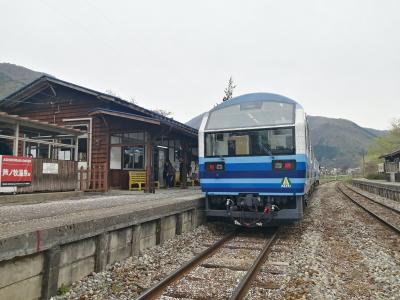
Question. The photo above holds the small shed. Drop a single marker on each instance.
(20, 138)
(391, 165)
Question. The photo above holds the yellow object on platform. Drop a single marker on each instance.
(138, 181)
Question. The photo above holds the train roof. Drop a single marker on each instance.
(256, 97)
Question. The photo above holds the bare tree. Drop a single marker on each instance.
(132, 100)
(229, 90)
(163, 112)
(112, 93)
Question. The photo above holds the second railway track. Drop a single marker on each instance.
(385, 214)
(225, 270)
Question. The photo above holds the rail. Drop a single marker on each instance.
(244, 285)
(156, 290)
(386, 215)
(377, 202)
(242, 288)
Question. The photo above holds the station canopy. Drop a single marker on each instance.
(15, 129)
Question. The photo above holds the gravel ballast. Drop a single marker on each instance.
(338, 251)
(129, 278)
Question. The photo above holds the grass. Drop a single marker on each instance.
(326, 179)
(62, 290)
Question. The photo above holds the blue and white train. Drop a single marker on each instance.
(257, 165)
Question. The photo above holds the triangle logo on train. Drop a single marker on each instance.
(285, 183)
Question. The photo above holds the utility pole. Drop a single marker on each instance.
(363, 155)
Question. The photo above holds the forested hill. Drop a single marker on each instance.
(340, 142)
(337, 142)
(13, 77)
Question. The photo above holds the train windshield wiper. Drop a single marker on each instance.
(268, 149)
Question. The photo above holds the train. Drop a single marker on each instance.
(256, 162)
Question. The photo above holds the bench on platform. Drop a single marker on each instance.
(138, 181)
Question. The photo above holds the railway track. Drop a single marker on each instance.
(385, 214)
(225, 270)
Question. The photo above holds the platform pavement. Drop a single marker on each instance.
(49, 245)
(26, 220)
(390, 190)
(385, 183)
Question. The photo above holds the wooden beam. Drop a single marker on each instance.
(149, 165)
(16, 140)
(36, 141)
(76, 156)
(185, 150)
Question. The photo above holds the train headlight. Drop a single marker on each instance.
(215, 166)
(283, 165)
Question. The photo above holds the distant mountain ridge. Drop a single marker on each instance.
(337, 142)
(340, 142)
(13, 77)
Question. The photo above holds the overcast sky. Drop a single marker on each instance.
(337, 58)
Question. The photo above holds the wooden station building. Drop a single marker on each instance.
(116, 134)
(391, 166)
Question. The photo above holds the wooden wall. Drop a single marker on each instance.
(65, 180)
(65, 105)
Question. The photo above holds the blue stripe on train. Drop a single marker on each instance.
(254, 159)
(266, 166)
(238, 186)
(261, 194)
(254, 174)
(266, 191)
(252, 181)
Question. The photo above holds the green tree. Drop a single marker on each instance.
(382, 145)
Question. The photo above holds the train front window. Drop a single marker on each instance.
(252, 114)
(273, 141)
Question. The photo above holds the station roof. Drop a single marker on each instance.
(39, 125)
(44, 82)
(392, 154)
(119, 114)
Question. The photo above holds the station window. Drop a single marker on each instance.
(133, 158)
(65, 153)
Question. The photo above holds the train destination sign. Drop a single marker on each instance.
(15, 170)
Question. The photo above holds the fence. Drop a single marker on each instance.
(62, 176)
(93, 179)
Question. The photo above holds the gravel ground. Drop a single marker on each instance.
(337, 252)
(127, 279)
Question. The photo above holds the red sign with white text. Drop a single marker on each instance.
(15, 170)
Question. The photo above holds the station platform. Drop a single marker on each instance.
(49, 244)
(390, 190)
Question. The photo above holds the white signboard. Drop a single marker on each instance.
(115, 158)
(50, 168)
